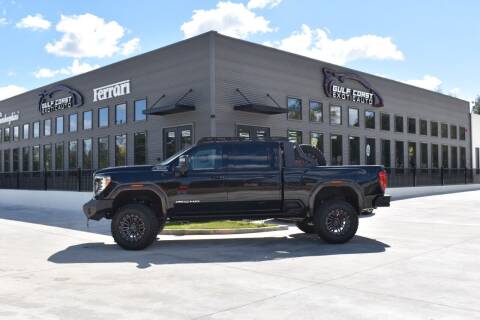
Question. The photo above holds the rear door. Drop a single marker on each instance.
(253, 179)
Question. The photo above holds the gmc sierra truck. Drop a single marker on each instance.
(235, 178)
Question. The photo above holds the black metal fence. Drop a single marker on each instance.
(431, 177)
(69, 180)
(82, 180)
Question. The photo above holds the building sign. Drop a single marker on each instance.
(335, 87)
(14, 116)
(59, 98)
(111, 91)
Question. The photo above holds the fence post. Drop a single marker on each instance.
(45, 180)
(79, 175)
(18, 179)
(442, 180)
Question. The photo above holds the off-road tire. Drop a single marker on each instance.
(306, 225)
(336, 221)
(135, 226)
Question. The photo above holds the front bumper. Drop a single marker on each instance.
(382, 201)
(97, 209)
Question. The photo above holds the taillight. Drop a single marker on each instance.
(382, 180)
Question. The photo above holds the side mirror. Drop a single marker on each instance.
(183, 164)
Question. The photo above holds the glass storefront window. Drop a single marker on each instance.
(412, 125)
(73, 122)
(59, 156)
(453, 132)
(434, 128)
(385, 121)
(103, 117)
(412, 155)
(36, 158)
(454, 157)
(336, 150)
(140, 107)
(26, 131)
(294, 107)
(316, 140)
(87, 154)
(59, 125)
(36, 129)
(354, 150)
(16, 133)
(335, 115)
(353, 117)
(423, 127)
(47, 157)
(316, 111)
(140, 148)
(6, 135)
(87, 120)
(121, 113)
(47, 127)
(103, 153)
(6, 161)
(72, 154)
(444, 156)
(370, 151)
(463, 158)
(398, 124)
(386, 154)
(121, 150)
(25, 159)
(399, 155)
(294, 136)
(444, 130)
(370, 119)
(16, 159)
(423, 155)
(462, 133)
(435, 159)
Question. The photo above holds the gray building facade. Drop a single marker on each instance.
(150, 106)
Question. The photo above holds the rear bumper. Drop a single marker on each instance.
(97, 209)
(382, 201)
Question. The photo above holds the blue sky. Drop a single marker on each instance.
(432, 44)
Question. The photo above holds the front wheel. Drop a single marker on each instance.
(135, 227)
(336, 221)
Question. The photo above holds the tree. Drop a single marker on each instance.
(476, 105)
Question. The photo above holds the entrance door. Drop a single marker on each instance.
(252, 132)
(176, 139)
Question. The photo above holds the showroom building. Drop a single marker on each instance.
(148, 107)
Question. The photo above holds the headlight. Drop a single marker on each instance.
(100, 183)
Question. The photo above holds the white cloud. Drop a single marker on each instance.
(260, 4)
(36, 23)
(130, 46)
(427, 82)
(10, 91)
(231, 19)
(317, 44)
(87, 35)
(77, 67)
(3, 21)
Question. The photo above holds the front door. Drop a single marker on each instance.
(176, 139)
(252, 132)
(201, 191)
(253, 179)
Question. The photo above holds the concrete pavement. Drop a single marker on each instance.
(418, 259)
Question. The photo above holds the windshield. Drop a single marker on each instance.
(176, 155)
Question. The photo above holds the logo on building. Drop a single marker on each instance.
(111, 91)
(8, 118)
(334, 85)
(59, 98)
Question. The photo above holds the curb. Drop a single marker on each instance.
(184, 232)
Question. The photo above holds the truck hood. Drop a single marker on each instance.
(125, 169)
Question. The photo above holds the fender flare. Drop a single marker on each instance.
(335, 184)
(158, 191)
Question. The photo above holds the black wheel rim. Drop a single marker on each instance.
(338, 221)
(132, 228)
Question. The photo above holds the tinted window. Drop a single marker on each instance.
(294, 109)
(26, 131)
(423, 155)
(87, 120)
(423, 127)
(103, 159)
(353, 117)
(370, 151)
(36, 158)
(121, 113)
(316, 111)
(385, 121)
(47, 157)
(453, 132)
(435, 162)
(73, 122)
(412, 125)
(36, 129)
(444, 130)
(6, 135)
(72, 154)
(103, 117)
(59, 125)
(248, 156)
(354, 146)
(335, 115)
(336, 150)
(121, 150)
(386, 153)
(206, 158)
(16, 133)
(412, 155)
(47, 127)
(463, 157)
(444, 156)
(434, 129)
(139, 148)
(398, 124)
(370, 119)
(294, 136)
(87, 154)
(59, 156)
(140, 108)
(462, 133)
(16, 159)
(6, 161)
(454, 157)
(26, 158)
(399, 154)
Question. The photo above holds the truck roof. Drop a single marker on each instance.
(242, 139)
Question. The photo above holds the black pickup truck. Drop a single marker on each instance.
(235, 178)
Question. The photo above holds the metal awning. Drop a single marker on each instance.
(260, 108)
(250, 106)
(172, 108)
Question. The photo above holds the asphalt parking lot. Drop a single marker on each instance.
(419, 259)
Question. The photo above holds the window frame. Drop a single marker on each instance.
(366, 119)
(382, 114)
(358, 117)
(300, 112)
(135, 110)
(83, 120)
(330, 114)
(310, 111)
(116, 113)
(99, 117)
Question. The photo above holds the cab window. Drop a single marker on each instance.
(251, 156)
(206, 158)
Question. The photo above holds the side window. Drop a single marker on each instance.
(250, 156)
(206, 158)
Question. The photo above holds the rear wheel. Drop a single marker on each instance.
(135, 226)
(306, 225)
(336, 221)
